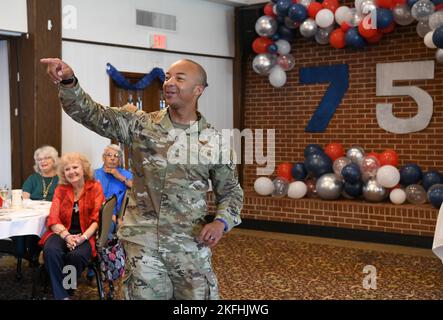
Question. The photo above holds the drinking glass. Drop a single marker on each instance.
(4, 192)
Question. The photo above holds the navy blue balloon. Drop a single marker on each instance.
(272, 48)
(411, 3)
(437, 37)
(410, 174)
(313, 149)
(276, 37)
(282, 7)
(353, 39)
(297, 12)
(299, 171)
(318, 164)
(351, 173)
(430, 178)
(384, 18)
(286, 33)
(435, 196)
(275, 1)
(353, 189)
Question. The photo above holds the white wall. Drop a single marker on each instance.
(202, 27)
(13, 16)
(89, 63)
(5, 128)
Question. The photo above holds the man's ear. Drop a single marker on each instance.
(198, 90)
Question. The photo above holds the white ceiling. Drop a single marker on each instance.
(237, 3)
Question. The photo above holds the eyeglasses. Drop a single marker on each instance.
(43, 159)
(110, 155)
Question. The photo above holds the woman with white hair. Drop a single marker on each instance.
(38, 186)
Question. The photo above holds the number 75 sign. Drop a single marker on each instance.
(387, 73)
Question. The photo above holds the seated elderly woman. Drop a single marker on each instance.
(39, 186)
(72, 221)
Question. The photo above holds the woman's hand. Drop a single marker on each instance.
(71, 242)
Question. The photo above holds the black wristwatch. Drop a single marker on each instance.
(69, 81)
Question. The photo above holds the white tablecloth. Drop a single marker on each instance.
(31, 219)
(437, 246)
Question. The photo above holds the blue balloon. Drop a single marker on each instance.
(272, 48)
(437, 37)
(411, 3)
(430, 178)
(351, 173)
(276, 37)
(313, 149)
(297, 12)
(353, 39)
(410, 174)
(353, 189)
(282, 7)
(384, 18)
(286, 33)
(318, 164)
(299, 171)
(435, 196)
(274, 1)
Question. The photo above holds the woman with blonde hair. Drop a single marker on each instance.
(38, 186)
(72, 221)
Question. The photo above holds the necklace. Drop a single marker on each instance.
(46, 188)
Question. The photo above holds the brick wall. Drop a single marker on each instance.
(288, 110)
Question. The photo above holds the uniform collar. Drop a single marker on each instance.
(163, 120)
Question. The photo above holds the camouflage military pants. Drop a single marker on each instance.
(153, 275)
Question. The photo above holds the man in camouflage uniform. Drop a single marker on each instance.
(165, 234)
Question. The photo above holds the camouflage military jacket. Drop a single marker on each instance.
(167, 203)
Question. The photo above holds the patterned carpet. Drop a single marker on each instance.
(251, 266)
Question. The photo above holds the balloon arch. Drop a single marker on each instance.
(340, 26)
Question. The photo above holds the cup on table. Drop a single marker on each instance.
(17, 200)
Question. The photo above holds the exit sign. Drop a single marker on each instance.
(158, 41)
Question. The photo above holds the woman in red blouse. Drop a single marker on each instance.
(72, 223)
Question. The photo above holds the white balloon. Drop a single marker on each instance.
(343, 14)
(439, 55)
(428, 40)
(324, 18)
(283, 47)
(388, 176)
(263, 186)
(357, 5)
(397, 196)
(277, 77)
(297, 190)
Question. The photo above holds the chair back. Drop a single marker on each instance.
(105, 220)
(125, 201)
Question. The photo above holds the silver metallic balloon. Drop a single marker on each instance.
(286, 61)
(416, 194)
(422, 28)
(402, 15)
(373, 192)
(329, 187)
(281, 187)
(356, 154)
(369, 167)
(439, 55)
(436, 20)
(322, 35)
(263, 63)
(356, 17)
(308, 28)
(290, 24)
(266, 26)
(422, 10)
(338, 166)
(368, 6)
(305, 3)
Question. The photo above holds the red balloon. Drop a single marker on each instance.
(376, 38)
(284, 171)
(261, 44)
(313, 9)
(269, 10)
(366, 33)
(345, 26)
(388, 157)
(330, 4)
(334, 150)
(388, 4)
(337, 39)
(398, 2)
(389, 28)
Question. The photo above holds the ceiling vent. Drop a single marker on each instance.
(156, 20)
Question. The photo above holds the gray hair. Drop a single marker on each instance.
(117, 149)
(47, 151)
